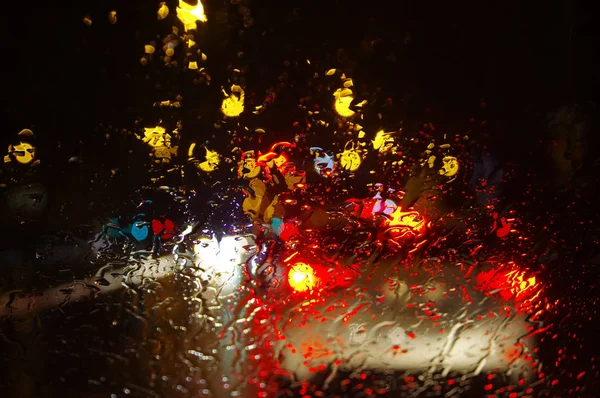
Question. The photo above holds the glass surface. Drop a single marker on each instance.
(252, 199)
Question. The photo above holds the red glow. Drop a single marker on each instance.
(164, 230)
(510, 283)
(287, 231)
(267, 157)
(272, 154)
(367, 210)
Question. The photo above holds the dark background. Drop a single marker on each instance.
(523, 59)
(493, 70)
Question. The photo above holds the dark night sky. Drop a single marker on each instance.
(449, 55)
(64, 79)
(68, 81)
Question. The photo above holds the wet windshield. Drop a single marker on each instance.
(252, 199)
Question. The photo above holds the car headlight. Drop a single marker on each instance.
(221, 262)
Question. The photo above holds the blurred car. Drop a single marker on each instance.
(332, 313)
(328, 312)
(380, 309)
(390, 319)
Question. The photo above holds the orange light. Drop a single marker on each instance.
(513, 284)
(302, 277)
(520, 285)
(267, 157)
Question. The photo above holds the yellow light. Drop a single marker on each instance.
(189, 14)
(450, 167)
(343, 98)
(212, 161)
(233, 105)
(255, 204)
(163, 11)
(519, 284)
(408, 219)
(23, 153)
(156, 136)
(247, 167)
(350, 159)
(112, 17)
(302, 277)
(383, 141)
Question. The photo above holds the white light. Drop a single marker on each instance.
(397, 335)
(358, 334)
(221, 261)
(403, 343)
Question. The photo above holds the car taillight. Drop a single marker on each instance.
(302, 277)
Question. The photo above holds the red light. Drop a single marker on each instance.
(302, 277)
(287, 231)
